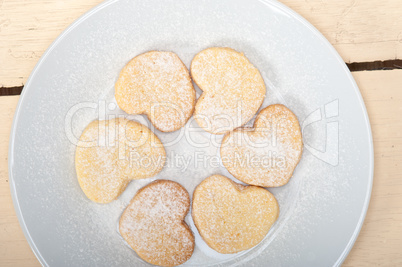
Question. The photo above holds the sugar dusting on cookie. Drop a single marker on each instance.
(153, 224)
(157, 84)
(231, 217)
(103, 157)
(267, 154)
(233, 89)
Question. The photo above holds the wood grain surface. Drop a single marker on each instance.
(365, 30)
(360, 30)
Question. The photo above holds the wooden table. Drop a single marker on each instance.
(366, 33)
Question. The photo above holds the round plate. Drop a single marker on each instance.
(322, 207)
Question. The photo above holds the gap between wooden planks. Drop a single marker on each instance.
(379, 241)
(360, 30)
(376, 65)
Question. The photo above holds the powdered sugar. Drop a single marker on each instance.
(157, 84)
(153, 225)
(232, 217)
(233, 89)
(104, 157)
(321, 204)
(268, 154)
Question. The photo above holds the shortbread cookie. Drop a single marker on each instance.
(231, 217)
(111, 153)
(268, 154)
(153, 224)
(158, 85)
(233, 89)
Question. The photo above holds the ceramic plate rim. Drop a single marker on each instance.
(100, 6)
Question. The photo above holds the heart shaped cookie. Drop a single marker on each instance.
(268, 154)
(233, 89)
(153, 224)
(111, 153)
(158, 85)
(231, 217)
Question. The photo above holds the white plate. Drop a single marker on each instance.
(322, 208)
